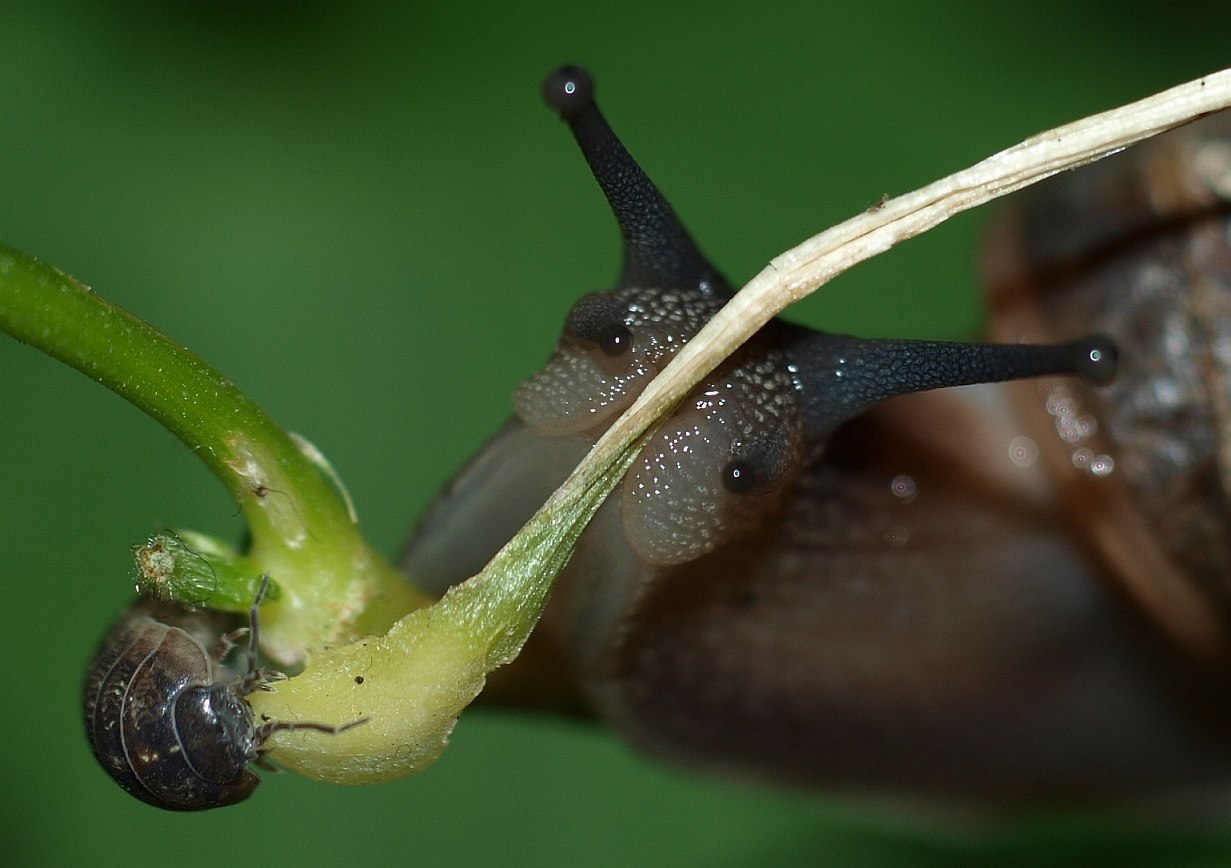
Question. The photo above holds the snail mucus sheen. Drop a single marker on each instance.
(804, 582)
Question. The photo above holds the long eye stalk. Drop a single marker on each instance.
(838, 376)
(658, 251)
(841, 377)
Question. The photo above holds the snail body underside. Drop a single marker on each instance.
(948, 646)
(895, 631)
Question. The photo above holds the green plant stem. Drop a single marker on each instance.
(410, 685)
(336, 586)
(43, 307)
(372, 653)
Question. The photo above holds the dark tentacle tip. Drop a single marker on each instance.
(569, 90)
(1095, 358)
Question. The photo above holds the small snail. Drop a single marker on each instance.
(167, 718)
(799, 583)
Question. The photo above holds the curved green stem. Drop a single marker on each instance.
(44, 307)
(336, 595)
(335, 586)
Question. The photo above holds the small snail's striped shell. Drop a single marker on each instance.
(164, 718)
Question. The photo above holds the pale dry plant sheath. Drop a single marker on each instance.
(408, 739)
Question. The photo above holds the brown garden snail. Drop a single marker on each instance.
(800, 584)
(167, 718)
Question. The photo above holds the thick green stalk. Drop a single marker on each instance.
(410, 685)
(337, 596)
(335, 587)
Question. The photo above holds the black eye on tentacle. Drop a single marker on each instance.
(840, 376)
(758, 468)
(1095, 358)
(739, 476)
(658, 251)
(599, 319)
(614, 339)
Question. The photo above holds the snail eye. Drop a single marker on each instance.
(597, 370)
(615, 339)
(599, 319)
(569, 90)
(755, 472)
(759, 466)
(739, 477)
(715, 469)
(613, 344)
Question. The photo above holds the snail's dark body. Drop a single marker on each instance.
(164, 717)
(900, 606)
(958, 645)
(944, 647)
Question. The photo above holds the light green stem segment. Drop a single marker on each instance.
(411, 685)
(199, 570)
(334, 586)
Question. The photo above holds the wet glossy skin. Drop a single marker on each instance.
(900, 607)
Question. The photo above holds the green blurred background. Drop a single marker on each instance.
(364, 215)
